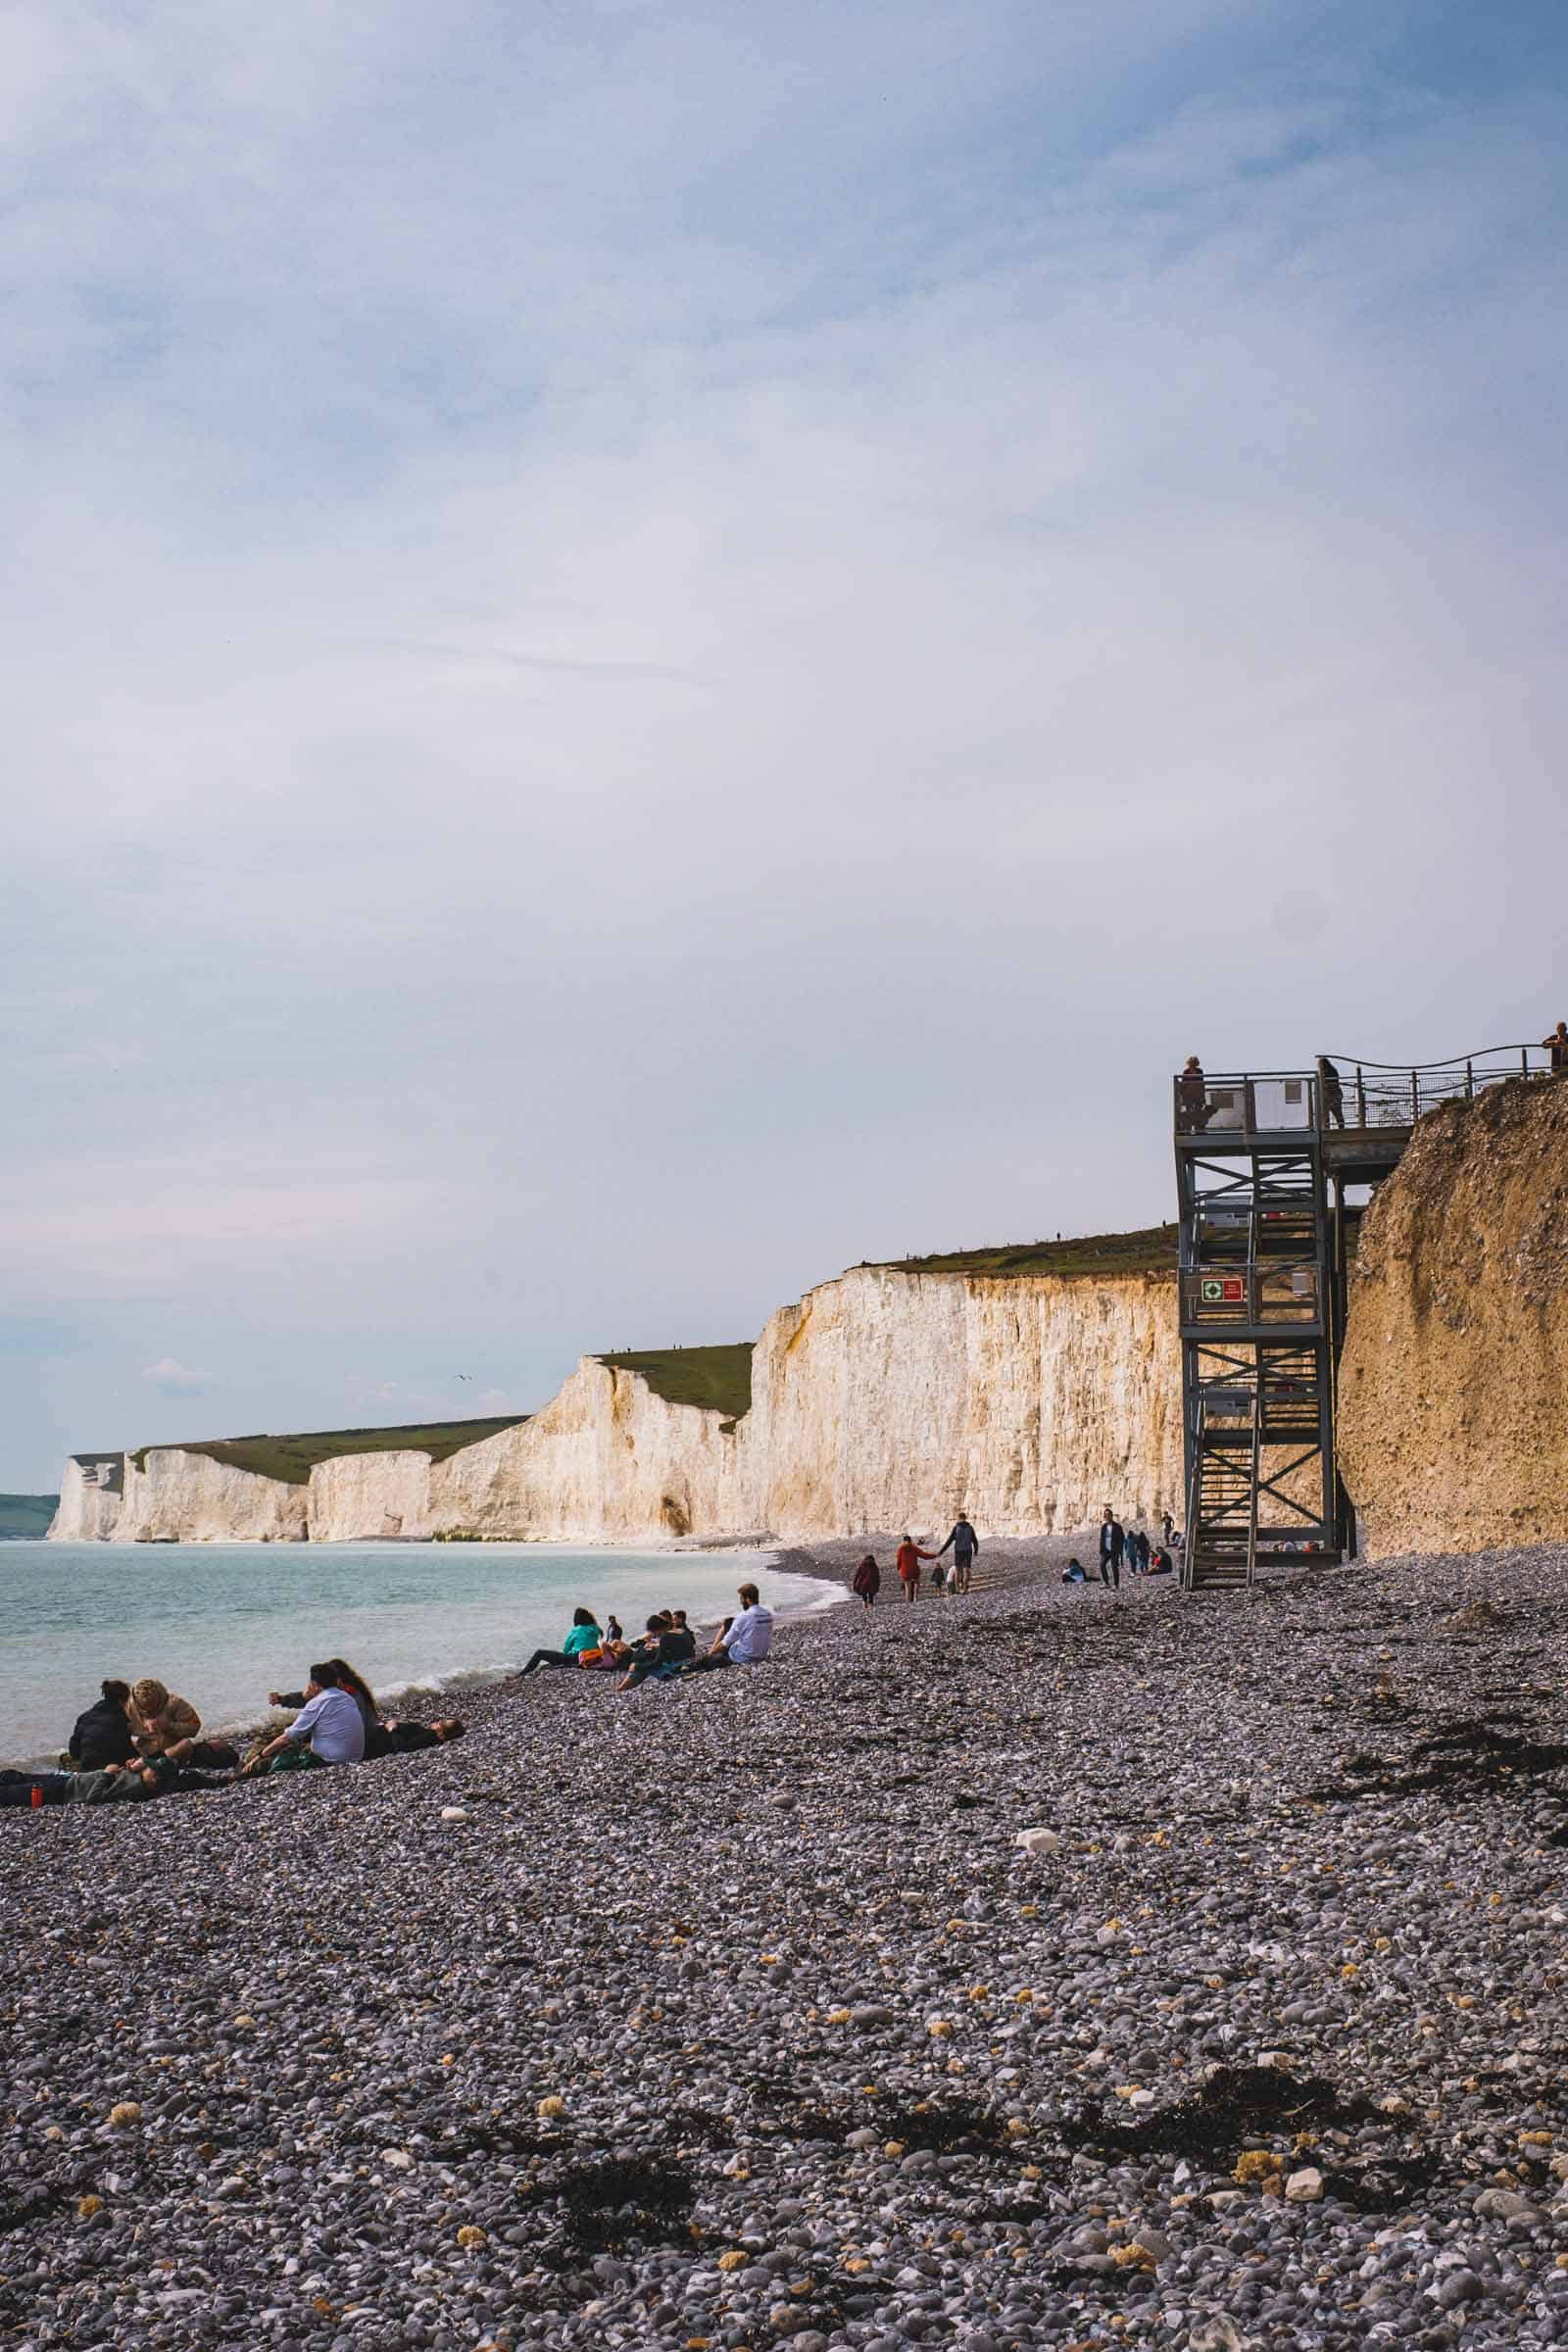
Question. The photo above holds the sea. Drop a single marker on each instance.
(223, 1624)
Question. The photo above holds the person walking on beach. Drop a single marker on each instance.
(963, 1543)
(1556, 1046)
(866, 1582)
(909, 1556)
(1113, 1543)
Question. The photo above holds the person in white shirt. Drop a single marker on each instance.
(742, 1641)
(329, 1728)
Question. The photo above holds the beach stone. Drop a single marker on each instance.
(1037, 1841)
(455, 1813)
(1304, 2188)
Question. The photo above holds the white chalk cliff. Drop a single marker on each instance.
(883, 1399)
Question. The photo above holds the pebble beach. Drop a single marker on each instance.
(734, 2013)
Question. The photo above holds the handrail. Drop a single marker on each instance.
(1450, 1061)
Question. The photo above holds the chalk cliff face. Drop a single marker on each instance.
(202, 1502)
(365, 1496)
(92, 1490)
(607, 1460)
(881, 1401)
(886, 1399)
(1453, 1382)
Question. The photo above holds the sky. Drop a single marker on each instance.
(651, 649)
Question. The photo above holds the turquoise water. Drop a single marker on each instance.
(224, 1623)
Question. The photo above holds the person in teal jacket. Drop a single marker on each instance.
(584, 1634)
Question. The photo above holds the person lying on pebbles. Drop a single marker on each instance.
(112, 1783)
(404, 1739)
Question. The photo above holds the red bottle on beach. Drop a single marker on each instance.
(38, 1797)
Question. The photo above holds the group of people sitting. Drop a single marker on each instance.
(140, 1739)
(666, 1648)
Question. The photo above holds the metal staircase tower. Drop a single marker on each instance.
(1264, 1163)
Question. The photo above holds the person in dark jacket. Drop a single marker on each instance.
(102, 1730)
(1113, 1543)
(866, 1582)
(402, 1738)
(1556, 1044)
(965, 1543)
(662, 1654)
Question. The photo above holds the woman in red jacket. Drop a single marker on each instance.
(910, 1557)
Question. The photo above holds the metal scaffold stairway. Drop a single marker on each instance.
(1265, 1162)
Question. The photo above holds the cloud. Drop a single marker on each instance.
(643, 661)
(170, 1378)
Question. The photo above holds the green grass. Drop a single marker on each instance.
(292, 1458)
(718, 1379)
(26, 1514)
(1152, 1251)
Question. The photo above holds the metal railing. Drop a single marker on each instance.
(1344, 1092)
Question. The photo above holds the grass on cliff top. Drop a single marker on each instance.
(718, 1379)
(1151, 1251)
(292, 1458)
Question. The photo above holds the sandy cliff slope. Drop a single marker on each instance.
(1453, 1384)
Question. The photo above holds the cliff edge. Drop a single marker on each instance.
(1453, 1384)
(883, 1399)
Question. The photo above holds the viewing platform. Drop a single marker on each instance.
(1265, 1163)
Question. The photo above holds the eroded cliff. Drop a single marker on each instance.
(882, 1399)
(1453, 1384)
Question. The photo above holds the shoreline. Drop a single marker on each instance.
(415, 1658)
(732, 2010)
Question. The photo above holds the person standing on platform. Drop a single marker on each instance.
(1330, 1091)
(1191, 1097)
(1556, 1046)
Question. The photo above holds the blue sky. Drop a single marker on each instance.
(651, 649)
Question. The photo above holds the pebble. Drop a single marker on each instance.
(660, 2060)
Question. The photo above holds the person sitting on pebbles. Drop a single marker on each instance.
(162, 1725)
(661, 1653)
(158, 1721)
(349, 1679)
(584, 1637)
(329, 1730)
(102, 1734)
(743, 1641)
